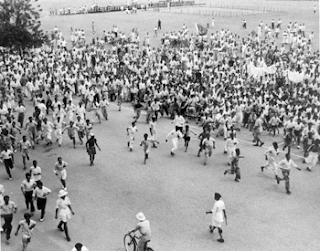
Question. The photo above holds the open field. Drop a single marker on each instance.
(174, 193)
(302, 12)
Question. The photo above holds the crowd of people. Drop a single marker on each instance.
(222, 81)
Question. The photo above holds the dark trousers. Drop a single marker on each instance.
(28, 200)
(286, 178)
(7, 226)
(41, 205)
(8, 164)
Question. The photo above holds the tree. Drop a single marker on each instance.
(20, 24)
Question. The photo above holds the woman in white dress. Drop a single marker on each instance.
(63, 212)
(218, 215)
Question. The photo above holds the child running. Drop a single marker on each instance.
(146, 143)
(187, 137)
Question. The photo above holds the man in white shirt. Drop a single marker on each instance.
(144, 228)
(218, 215)
(6, 157)
(27, 226)
(35, 172)
(208, 144)
(27, 187)
(179, 122)
(40, 194)
(285, 166)
(175, 136)
(131, 130)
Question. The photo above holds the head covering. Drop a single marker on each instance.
(217, 196)
(140, 216)
(91, 134)
(62, 193)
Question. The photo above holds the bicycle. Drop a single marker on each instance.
(130, 242)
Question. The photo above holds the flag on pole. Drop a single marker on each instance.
(201, 30)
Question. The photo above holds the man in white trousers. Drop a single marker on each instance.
(175, 135)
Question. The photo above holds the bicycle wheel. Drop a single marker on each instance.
(129, 243)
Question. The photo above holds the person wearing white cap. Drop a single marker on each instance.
(79, 247)
(63, 212)
(144, 228)
(91, 149)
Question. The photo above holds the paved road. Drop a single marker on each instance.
(173, 192)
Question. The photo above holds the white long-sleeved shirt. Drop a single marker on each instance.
(285, 164)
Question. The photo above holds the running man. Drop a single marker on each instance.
(175, 135)
(153, 131)
(27, 225)
(146, 143)
(285, 166)
(187, 137)
(208, 144)
(58, 124)
(31, 128)
(25, 145)
(131, 130)
(40, 194)
(235, 165)
(71, 132)
(35, 172)
(27, 187)
(313, 154)
(270, 156)
(81, 131)
(6, 158)
(91, 149)
(7, 211)
(47, 130)
(60, 170)
(230, 147)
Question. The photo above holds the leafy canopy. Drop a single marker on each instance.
(20, 24)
